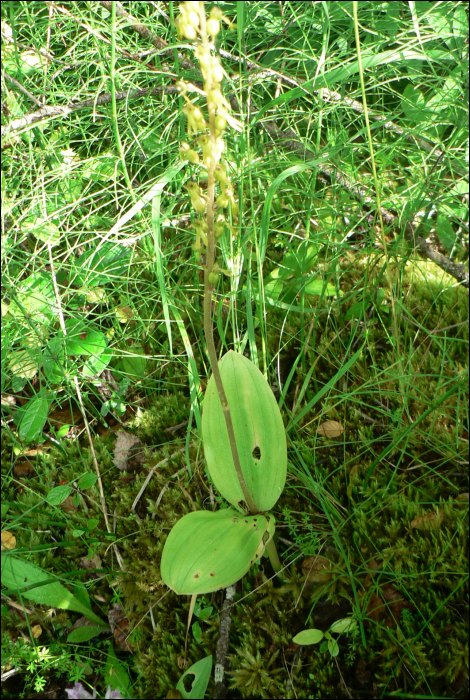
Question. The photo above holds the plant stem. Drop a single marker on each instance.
(208, 287)
(274, 558)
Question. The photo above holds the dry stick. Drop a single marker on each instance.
(456, 270)
(152, 471)
(82, 408)
(26, 92)
(52, 111)
(361, 194)
(220, 689)
(145, 32)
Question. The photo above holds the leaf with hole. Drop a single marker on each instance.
(193, 683)
(259, 433)
(84, 340)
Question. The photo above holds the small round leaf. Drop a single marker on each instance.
(308, 637)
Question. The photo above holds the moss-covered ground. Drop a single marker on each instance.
(381, 509)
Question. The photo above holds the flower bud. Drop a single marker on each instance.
(214, 274)
(198, 200)
(196, 121)
(213, 27)
(192, 156)
(218, 230)
(216, 13)
(222, 201)
(187, 153)
(220, 123)
(217, 70)
(193, 19)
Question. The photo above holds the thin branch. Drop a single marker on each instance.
(145, 32)
(366, 198)
(26, 92)
(51, 111)
(152, 472)
(220, 689)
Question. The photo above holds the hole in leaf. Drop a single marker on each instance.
(188, 681)
(256, 454)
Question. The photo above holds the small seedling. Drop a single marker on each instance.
(313, 636)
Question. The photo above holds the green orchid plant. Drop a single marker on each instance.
(242, 429)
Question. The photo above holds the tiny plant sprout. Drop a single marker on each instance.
(242, 429)
(313, 636)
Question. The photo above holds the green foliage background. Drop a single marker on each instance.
(96, 226)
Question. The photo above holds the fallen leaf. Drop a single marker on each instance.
(330, 429)
(120, 627)
(68, 506)
(462, 498)
(316, 569)
(8, 540)
(93, 562)
(128, 451)
(8, 400)
(428, 521)
(23, 469)
(36, 631)
(388, 605)
(123, 313)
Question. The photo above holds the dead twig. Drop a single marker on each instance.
(152, 472)
(20, 87)
(52, 111)
(145, 32)
(220, 689)
(365, 197)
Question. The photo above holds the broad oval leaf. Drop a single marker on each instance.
(259, 432)
(333, 647)
(207, 551)
(33, 417)
(346, 624)
(58, 494)
(308, 637)
(85, 633)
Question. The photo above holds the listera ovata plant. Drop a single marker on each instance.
(242, 430)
